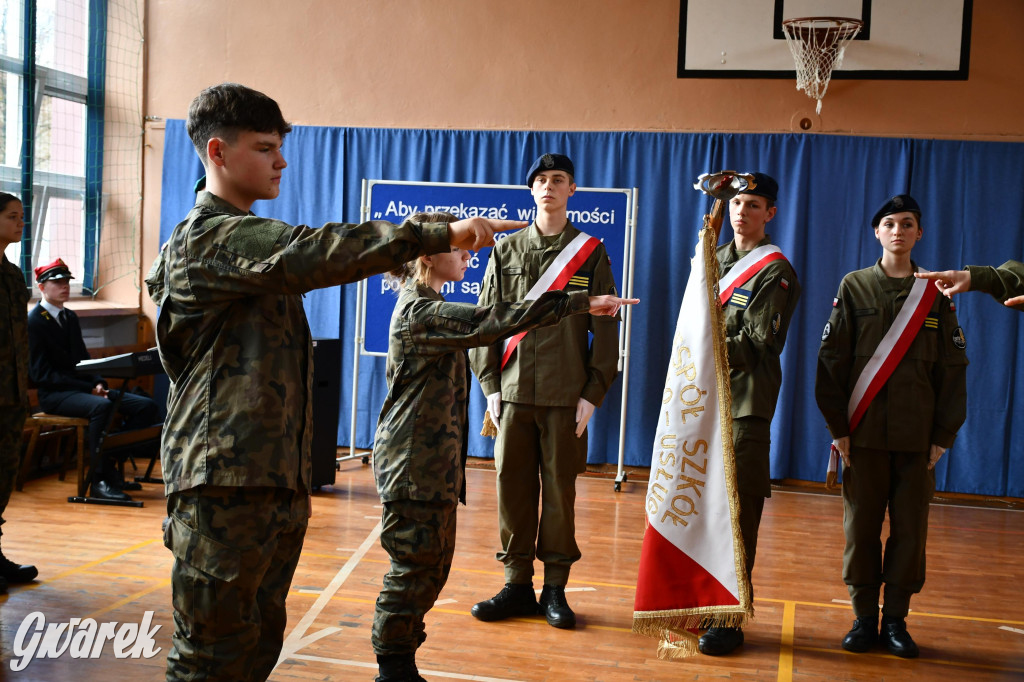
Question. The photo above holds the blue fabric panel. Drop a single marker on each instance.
(829, 188)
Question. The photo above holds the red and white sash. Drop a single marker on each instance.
(557, 275)
(747, 267)
(887, 356)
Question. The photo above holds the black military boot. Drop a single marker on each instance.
(896, 638)
(862, 636)
(555, 608)
(397, 668)
(14, 574)
(513, 600)
(720, 641)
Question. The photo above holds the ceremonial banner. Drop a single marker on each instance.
(692, 567)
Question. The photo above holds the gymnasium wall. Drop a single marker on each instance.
(580, 67)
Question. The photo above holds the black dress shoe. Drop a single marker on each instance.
(555, 608)
(720, 641)
(896, 638)
(105, 491)
(513, 600)
(130, 485)
(862, 636)
(15, 574)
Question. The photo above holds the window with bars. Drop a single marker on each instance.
(49, 126)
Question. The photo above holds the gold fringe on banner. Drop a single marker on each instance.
(709, 240)
(488, 428)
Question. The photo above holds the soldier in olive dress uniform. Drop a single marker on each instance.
(760, 305)
(541, 395)
(890, 453)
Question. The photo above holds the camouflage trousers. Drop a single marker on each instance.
(12, 420)
(235, 552)
(420, 539)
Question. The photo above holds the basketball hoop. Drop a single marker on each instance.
(818, 44)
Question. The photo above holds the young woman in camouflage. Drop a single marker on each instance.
(419, 453)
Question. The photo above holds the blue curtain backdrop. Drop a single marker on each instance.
(829, 188)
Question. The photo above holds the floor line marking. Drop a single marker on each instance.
(297, 637)
(786, 648)
(373, 666)
(130, 598)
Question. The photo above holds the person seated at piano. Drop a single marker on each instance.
(55, 347)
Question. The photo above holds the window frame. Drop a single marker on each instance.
(37, 188)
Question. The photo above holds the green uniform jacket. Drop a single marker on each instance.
(234, 340)
(13, 335)
(924, 402)
(1003, 282)
(756, 332)
(419, 451)
(554, 366)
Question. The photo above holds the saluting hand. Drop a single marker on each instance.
(1016, 300)
(948, 282)
(609, 305)
(473, 234)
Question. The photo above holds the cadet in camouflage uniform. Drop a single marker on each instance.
(13, 373)
(234, 341)
(419, 453)
(889, 458)
(757, 318)
(545, 395)
(1005, 283)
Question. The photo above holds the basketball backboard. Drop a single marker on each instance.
(901, 39)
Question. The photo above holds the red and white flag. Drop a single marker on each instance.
(692, 567)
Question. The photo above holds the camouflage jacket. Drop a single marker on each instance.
(234, 340)
(419, 451)
(13, 335)
(1003, 282)
(757, 320)
(925, 399)
(559, 365)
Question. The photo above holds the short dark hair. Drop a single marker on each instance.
(6, 198)
(230, 108)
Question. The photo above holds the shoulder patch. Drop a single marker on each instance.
(784, 283)
(959, 340)
(776, 322)
(827, 331)
(835, 302)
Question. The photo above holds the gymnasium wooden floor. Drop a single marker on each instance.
(109, 564)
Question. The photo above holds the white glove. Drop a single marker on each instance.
(934, 454)
(494, 407)
(584, 411)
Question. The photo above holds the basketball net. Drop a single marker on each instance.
(818, 44)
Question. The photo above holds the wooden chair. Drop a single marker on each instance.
(39, 423)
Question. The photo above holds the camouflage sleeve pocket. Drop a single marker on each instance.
(200, 552)
(453, 324)
(457, 317)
